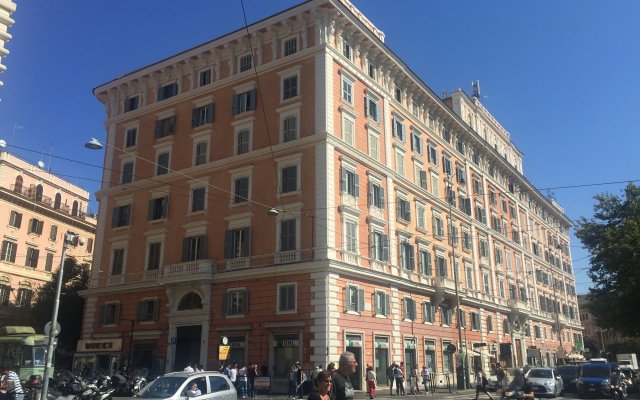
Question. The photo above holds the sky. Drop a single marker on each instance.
(563, 77)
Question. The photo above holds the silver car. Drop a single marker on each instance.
(197, 385)
(545, 381)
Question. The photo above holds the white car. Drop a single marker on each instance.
(545, 381)
(180, 385)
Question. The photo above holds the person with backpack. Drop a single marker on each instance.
(399, 377)
(481, 383)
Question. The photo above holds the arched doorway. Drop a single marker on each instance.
(57, 201)
(17, 187)
(74, 209)
(39, 190)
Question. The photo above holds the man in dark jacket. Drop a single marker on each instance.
(342, 388)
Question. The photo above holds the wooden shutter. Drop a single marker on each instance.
(356, 191)
(18, 220)
(228, 244)
(212, 109)
(103, 314)
(411, 259)
(156, 309)
(387, 304)
(245, 301)
(150, 209)
(385, 248)
(246, 242)
(114, 217)
(236, 104)
(140, 311)
(347, 300)
(343, 180)
(117, 313)
(185, 249)
(370, 194)
(194, 117)
(360, 300)
(252, 100)
(225, 303)
(202, 250)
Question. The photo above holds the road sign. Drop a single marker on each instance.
(223, 352)
(47, 329)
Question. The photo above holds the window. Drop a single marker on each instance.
(469, 271)
(162, 161)
(286, 297)
(376, 195)
(289, 87)
(446, 135)
(460, 146)
(446, 165)
(167, 91)
(489, 323)
(48, 264)
(501, 288)
(194, 248)
(127, 173)
(165, 127)
(202, 115)
(158, 208)
(204, 77)
(235, 302)
(404, 209)
(201, 155)
(475, 321)
(23, 298)
(109, 313)
(347, 90)
(4, 294)
(429, 312)
(498, 256)
(462, 318)
(400, 162)
(464, 204)
(246, 63)
(237, 243)
(422, 178)
(445, 314)
(430, 356)
(289, 179)
(290, 46)
(154, 255)
(416, 142)
(485, 281)
(148, 310)
(348, 130)
(406, 256)
(484, 248)
(438, 226)
(289, 128)
(426, 267)
(466, 241)
(441, 265)
(354, 298)
(398, 128)
(131, 137)
(9, 251)
(461, 176)
(397, 94)
(15, 219)
(351, 236)
(346, 49)
(350, 182)
(371, 69)
(433, 154)
(31, 259)
(197, 199)
(117, 261)
(506, 327)
(536, 330)
(131, 103)
(409, 309)
(241, 190)
(383, 304)
(379, 246)
(121, 216)
(420, 219)
(371, 108)
(374, 145)
(35, 226)
(243, 102)
(288, 235)
(243, 138)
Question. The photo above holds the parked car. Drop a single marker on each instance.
(569, 374)
(492, 383)
(593, 379)
(177, 385)
(545, 381)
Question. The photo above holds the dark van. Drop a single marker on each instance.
(593, 379)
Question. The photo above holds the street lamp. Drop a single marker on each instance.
(69, 239)
(455, 278)
(129, 361)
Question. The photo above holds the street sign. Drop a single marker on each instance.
(47, 329)
(173, 341)
(223, 352)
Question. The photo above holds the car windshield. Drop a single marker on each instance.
(567, 370)
(163, 387)
(589, 371)
(539, 373)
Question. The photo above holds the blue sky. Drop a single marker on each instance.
(561, 76)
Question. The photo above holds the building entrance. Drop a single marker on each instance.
(354, 345)
(188, 340)
(381, 359)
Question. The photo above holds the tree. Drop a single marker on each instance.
(75, 278)
(612, 238)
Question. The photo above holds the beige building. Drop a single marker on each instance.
(300, 191)
(7, 7)
(36, 209)
(602, 337)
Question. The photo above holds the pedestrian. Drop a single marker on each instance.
(315, 373)
(481, 383)
(188, 368)
(415, 380)
(233, 375)
(226, 370)
(399, 377)
(301, 377)
(292, 381)
(390, 377)
(322, 384)
(371, 381)
(342, 387)
(242, 381)
(425, 378)
(331, 368)
(10, 384)
(252, 371)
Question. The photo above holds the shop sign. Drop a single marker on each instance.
(354, 343)
(237, 345)
(285, 343)
(99, 345)
(409, 344)
(223, 352)
(382, 345)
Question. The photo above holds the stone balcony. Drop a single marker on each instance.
(518, 307)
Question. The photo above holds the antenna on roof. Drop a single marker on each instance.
(475, 89)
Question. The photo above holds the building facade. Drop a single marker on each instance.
(37, 209)
(7, 7)
(302, 192)
(601, 337)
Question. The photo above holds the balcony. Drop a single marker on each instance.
(188, 269)
(237, 263)
(518, 307)
(286, 257)
(447, 286)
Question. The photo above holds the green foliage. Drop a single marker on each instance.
(75, 278)
(612, 238)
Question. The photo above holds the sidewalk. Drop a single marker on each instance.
(384, 395)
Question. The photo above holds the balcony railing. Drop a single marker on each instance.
(518, 306)
(46, 200)
(188, 268)
(237, 263)
(286, 257)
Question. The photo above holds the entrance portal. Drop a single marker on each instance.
(188, 340)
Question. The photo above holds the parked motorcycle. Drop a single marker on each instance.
(32, 387)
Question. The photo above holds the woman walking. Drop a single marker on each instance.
(481, 383)
(322, 385)
(371, 382)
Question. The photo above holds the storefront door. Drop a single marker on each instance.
(381, 359)
(354, 345)
(187, 346)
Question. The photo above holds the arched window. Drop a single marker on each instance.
(190, 301)
(39, 190)
(18, 185)
(74, 209)
(56, 202)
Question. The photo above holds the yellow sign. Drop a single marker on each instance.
(223, 352)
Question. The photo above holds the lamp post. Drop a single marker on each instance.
(129, 361)
(68, 239)
(456, 281)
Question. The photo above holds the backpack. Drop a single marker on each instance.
(485, 382)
